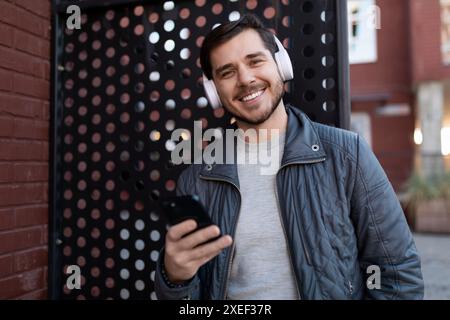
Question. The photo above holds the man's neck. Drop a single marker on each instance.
(277, 121)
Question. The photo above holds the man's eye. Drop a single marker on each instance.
(255, 62)
(226, 74)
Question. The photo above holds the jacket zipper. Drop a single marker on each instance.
(230, 258)
(308, 257)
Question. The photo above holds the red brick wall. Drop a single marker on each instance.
(392, 140)
(391, 72)
(386, 81)
(24, 147)
(426, 41)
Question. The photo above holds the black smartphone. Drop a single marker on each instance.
(180, 208)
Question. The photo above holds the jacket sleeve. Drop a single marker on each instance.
(190, 291)
(384, 238)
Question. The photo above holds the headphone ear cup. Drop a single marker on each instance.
(211, 93)
(283, 61)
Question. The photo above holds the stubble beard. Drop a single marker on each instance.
(266, 115)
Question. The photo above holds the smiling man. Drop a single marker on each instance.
(249, 85)
(314, 229)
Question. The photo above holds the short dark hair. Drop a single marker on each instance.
(227, 31)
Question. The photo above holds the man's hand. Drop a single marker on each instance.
(185, 255)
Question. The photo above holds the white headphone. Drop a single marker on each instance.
(284, 66)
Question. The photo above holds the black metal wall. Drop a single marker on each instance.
(121, 84)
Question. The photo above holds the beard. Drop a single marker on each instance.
(278, 94)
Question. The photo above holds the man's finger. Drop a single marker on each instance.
(176, 232)
(211, 248)
(199, 237)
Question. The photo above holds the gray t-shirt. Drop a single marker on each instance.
(261, 267)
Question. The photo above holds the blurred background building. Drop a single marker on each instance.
(400, 77)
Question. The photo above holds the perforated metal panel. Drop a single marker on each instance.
(121, 85)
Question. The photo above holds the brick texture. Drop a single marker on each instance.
(24, 147)
(427, 62)
(389, 81)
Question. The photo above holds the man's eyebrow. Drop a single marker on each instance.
(254, 55)
(224, 67)
(247, 57)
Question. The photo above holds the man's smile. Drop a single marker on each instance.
(253, 96)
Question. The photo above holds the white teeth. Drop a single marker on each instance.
(252, 96)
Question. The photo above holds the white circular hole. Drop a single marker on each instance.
(170, 104)
(170, 125)
(124, 274)
(124, 254)
(327, 61)
(169, 45)
(139, 225)
(169, 25)
(139, 285)
(328, 83)
(139, 244)
(154, 76)
(124, 234)
(170, 145)
(155, 135)
(184, 33)
(124, 215)
(326, 16)
(124, 294)
(139, 265)
(154, 235)
(154, 255)
(185, 53)
(153, 37)
(326, 38)
(202, 102)
(153, 296)
(186, 134)
(154, 216)
(152, 275)
(139, 107)
(234, 16)
(168, 5)
(215, 26)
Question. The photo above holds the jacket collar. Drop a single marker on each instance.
(302, 145)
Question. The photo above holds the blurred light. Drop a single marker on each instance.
(234, 16)
(168, 5)
(185, 135)
(445, 141)
(155, 135)
(170, 145)
(418, 137)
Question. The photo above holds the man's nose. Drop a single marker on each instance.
(245, 76)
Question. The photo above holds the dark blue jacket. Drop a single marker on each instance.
(339, 212)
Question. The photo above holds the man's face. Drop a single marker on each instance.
(247, 77)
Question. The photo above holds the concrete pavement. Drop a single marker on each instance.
(434, 251)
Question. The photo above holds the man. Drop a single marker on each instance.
(310, 230)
